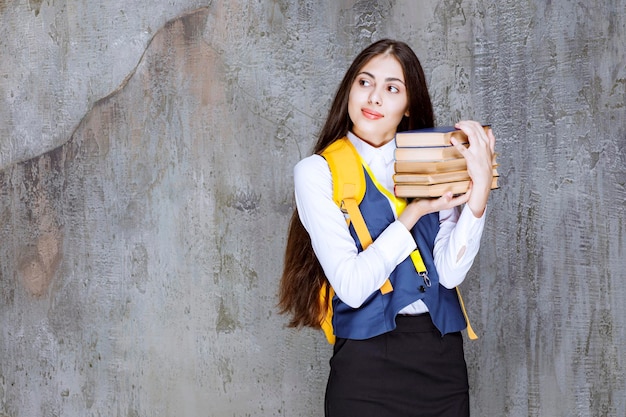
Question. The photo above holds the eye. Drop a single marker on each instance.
(364, 83)
(393, 89)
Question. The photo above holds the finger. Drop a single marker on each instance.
(446, 197)
(468, 193)
(462, 198)
(458, 145)
(449, 200)
(470, 126)
(473, 130)
(492, 140)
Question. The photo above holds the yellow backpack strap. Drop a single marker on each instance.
(470, 332)
(349, 189)
(345, 167)
(326, 319)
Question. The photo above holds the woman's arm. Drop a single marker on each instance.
(354, 276)
(458, 240)
(479, 158)
(457, 244)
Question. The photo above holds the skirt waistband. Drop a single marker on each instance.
(411, 324)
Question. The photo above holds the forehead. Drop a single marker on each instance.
(384, 66)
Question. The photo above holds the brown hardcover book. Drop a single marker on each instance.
(435, 178)
(430, 153)
(430, 167)
(435, 190)
(434, 136)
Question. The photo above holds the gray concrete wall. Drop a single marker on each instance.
(145, 188)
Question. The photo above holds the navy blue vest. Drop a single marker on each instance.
(377, 314)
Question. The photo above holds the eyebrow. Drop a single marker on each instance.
(389, 79)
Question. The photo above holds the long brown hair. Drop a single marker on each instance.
(303, 277)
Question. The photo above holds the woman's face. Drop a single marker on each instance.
(378, 99)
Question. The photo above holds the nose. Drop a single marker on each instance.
(375, 98)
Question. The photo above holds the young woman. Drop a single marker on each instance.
(397, 353)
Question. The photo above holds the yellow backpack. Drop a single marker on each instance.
(348, 179)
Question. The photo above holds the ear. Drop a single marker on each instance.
(406, 113)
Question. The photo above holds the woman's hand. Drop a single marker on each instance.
(421, 207)
(479, 157)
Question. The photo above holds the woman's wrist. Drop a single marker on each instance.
(478, 204)
(410, 215)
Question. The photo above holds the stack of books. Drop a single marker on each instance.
(428, 165)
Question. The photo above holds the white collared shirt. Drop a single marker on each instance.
(355, 276)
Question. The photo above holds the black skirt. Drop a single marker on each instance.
(410, 371)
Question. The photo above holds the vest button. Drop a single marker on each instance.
(422, 289)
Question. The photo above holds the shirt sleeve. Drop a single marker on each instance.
(457, 244)
(354, 276)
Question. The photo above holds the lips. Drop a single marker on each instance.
(371, 114)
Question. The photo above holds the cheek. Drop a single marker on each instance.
(355, 96)
(353, 105)
(353, 113)
(402, 108)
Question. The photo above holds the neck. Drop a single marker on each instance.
(376, 143)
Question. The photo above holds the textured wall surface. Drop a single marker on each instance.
(145, 189)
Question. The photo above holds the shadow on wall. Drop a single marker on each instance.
(119, 237)
(154, 128)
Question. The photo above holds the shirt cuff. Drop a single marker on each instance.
(469, 228)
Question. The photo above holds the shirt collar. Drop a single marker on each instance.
(370, 153)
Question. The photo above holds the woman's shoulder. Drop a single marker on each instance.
(313, 164)
(312, 173)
